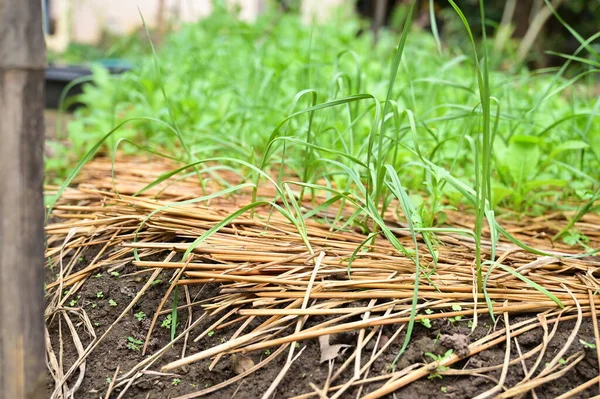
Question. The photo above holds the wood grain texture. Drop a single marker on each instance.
(22, 348)
(21, 34)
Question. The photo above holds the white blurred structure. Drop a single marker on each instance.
(85, 21)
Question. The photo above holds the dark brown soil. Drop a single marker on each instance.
(104, 296)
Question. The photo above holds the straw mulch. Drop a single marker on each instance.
(266, 269)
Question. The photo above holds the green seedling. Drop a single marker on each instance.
(166, 323)
(115, 274)
(586, 344)
(99, 294)
(140, 315)
(175, 382)
(134, 344)
(438, 368)
(425, 322)
(456, 308)
(112, 303)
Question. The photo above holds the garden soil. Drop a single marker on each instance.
(443, 335)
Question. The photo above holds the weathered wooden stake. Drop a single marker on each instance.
(22, 60)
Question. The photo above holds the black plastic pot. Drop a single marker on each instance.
(59, 77)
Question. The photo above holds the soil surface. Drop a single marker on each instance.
(106, 294)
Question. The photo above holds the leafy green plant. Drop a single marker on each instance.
(140, 315)
(438, 368)
(112, 303)
(167, 321)
(99, 294)
(425, 322)
(456, 308)
(134, 344)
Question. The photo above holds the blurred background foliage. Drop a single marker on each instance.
(508, 22)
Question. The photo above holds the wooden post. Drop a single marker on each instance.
(22, 60)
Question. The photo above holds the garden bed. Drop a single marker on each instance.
(256, 297)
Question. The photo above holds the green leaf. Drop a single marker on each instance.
(522, 157)
(499, 192)
(569, 145)
(594, 139)
(535, 184)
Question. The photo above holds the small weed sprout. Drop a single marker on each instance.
(133, 344)
(73, 303)
(140, 315)
(112, 303)
(211, 333)
(175, 382)
(115, 274)
(166, 323)
(438, 368)
(586, 344)
(99, 294)
(267, 352)
(426, 322)
(456, 308)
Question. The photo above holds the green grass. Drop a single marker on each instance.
(221, 87)
(404, 120)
